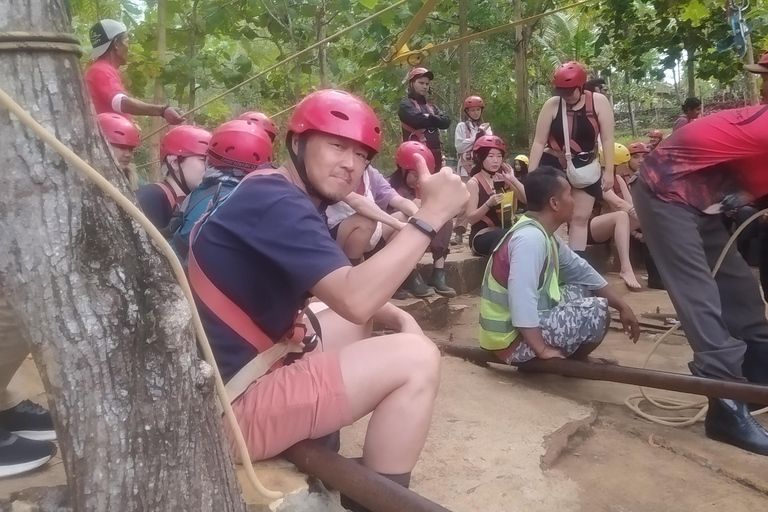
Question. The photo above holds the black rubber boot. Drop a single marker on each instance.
(400, 294)
(437, 281)
(353, 506)
(730, 422)
(416, 285)
(458, 235)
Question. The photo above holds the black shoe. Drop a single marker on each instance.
(19, 455)
(458, 235)
(29, 420)
(416, 285)
(401, 294)
(437, 281)
(730, 422)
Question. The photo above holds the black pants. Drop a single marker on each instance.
(484, 243)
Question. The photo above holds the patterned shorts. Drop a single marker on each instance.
(579, 319)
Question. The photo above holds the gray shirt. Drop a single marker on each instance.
(527, 257)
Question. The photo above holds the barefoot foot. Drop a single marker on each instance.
(630, 280)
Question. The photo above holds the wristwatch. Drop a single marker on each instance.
(423, 227)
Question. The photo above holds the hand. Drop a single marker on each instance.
(172, 116)
(443, 194)
(629, 321)
(495, 200)
(507, 172)
(484, 127)
(399, 225)
(607, 182)
(551, 352)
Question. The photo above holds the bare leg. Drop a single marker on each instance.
(440, 263)
(388, 232)
(616, 225)
(577, 233)
(354, 234)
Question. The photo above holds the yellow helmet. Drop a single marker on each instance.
(522, 158)
(620, 154)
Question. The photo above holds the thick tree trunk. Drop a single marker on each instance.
(464, 73)
(752, 90)
(192, 55)
(159, 97)
(109, 327)
(521, 78)
(690, 72)
(321, 32)
(630, 107)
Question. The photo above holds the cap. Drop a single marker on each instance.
(102, 34)
(760, 67)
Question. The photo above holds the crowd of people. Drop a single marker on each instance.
(291, 262)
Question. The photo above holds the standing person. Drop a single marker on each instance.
(109, 39)
(405, 180)
(691, 112)
(266, 249)
(761, 68)
(247, 148)
(483, 211)
(596, 85)
(123, 138)
(420, 120)
(182, 153)
(678, 193)
(469, 130)
(654, 139)
(587, 115)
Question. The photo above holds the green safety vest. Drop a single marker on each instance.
(496, 329)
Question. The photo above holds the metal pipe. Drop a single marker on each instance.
(741, 391)
(369, 489)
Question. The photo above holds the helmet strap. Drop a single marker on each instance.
(182, 183)
(301, 169)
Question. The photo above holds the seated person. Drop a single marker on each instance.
(182, 153)
(123, 138)
(521, 173)
(654, 139)
(265, 250)
(405, 180)
(524, 311)
(483, 211)
(249, 147)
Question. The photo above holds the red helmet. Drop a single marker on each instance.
(118, 130)
(570, 74)
(185, 141)
(474, 101)
(262, 120)
(638, 147)
(656, 134)
(405, 155)
(418, 73)
(337, 113)
(240, 144)
(490, 141)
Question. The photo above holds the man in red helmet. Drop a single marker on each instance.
(182, 152)
(679, 192)
(761, 68)
(248, 148)
(109, 39)
(420, 120)
(266, 249)
(263, 121)
(123, 138)
(654, 139)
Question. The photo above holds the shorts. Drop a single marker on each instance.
(305, 400)
(590, 239)
(579, 319)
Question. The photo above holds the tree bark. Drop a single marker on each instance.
(321, 32)
(159, 97)
(195, 23)
(690, 72)
(464, 73)
(749, 58)
(109, 327)
(521, 78)
(630, 108)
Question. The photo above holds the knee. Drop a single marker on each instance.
(364, 227)
(422, 359)
(580, 218)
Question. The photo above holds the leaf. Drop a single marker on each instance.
(370, 4)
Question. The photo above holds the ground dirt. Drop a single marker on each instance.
(504, 441)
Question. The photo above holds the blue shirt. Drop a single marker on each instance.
(264, 247)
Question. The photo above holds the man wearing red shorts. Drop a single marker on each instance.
(267, 249)
(717, 164)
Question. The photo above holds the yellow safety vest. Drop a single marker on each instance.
(496, 329)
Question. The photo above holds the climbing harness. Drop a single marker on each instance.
(739, 29)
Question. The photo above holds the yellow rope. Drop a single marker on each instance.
(285, 60)
(675, 404)
(125, 203)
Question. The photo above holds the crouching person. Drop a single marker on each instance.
(263, 251)
(525, 312)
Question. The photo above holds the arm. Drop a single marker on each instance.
(357, 293)
(616, 203)
(543, 125)
(440, 119)
(367, 208)
(139, 108)
(395, 318)
(413, 116)
(475, 211)
(605, 120)
(404, 205)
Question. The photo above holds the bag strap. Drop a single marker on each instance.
(566, 131)
(490, 192)
(170, 194)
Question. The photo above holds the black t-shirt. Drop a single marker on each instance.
(153, 201)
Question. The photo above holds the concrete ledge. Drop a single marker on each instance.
(431, 313)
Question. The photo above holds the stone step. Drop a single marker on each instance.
(464, 270)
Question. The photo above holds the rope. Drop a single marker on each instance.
(675, 404)
(126, 204)
(285, 60)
